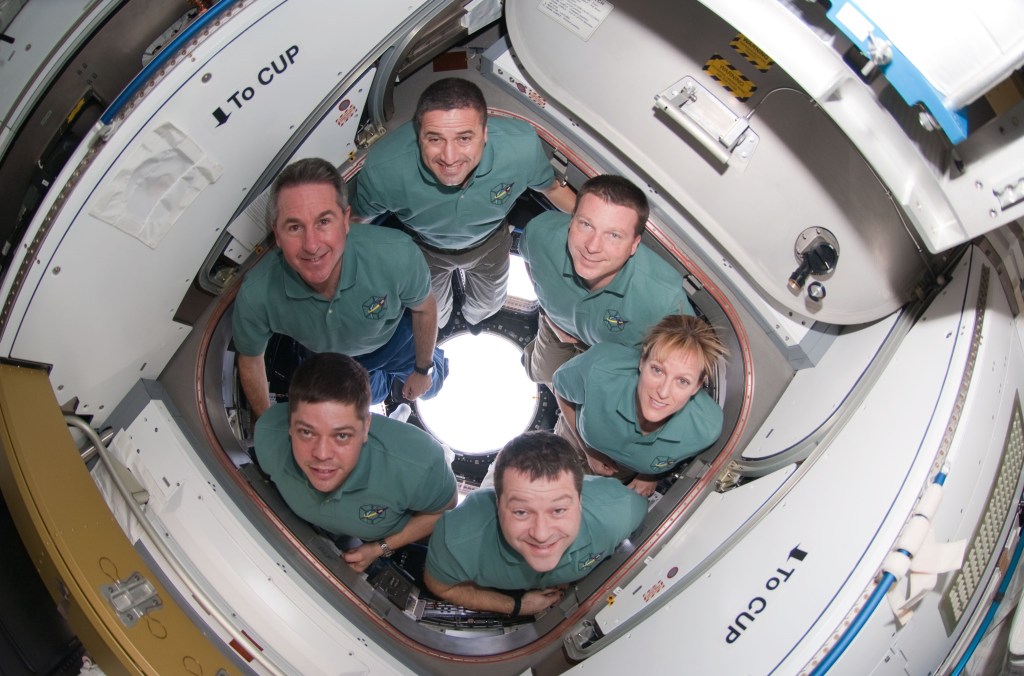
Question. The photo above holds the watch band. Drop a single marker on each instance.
(385, 551)
(423, 370)
(517, 601)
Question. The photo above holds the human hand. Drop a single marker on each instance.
(415, 385)
(362, 556)
(643, 486)
(537, 600)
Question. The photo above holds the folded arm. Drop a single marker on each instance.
(416, 528)
(472, 596)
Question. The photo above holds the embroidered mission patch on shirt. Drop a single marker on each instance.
(661, 463)
(588, 563)
(373, 513)
(613, 321)
(374, 306)
(501, 192)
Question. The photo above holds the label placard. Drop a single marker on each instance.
(582, 17)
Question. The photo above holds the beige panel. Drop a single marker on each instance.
(77, 546)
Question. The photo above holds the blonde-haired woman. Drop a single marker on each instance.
(637, 414)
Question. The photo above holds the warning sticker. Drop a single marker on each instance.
(725, 74)
(751, 52)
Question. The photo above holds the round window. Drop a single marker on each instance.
(486, 399)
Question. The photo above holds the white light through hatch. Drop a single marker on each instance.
(487, 398)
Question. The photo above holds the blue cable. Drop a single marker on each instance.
(887, 581)
(990, 615)
(162, 57)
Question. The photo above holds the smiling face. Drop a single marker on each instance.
(311, 230)
(667, 382)
(539, 518)
(602, 237)
(452, 143)
(326, 440)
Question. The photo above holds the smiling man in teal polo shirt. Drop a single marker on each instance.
(595, 281)
(451, 176)
(348, 471)
(514, 549)
(358, 290)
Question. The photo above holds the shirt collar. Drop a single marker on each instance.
(486, 163)
(360, 476)
(622, 279)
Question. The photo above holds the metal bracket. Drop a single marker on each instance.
(581, 637)
(729, 479)
(138, 491)
(131, 598)
(369, 135)
(724, 134)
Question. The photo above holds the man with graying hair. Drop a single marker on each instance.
(356, 289)
(451, 176)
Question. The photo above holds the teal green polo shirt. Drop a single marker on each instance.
(401, 470)
(467, 544)
(394, 179)
(382, 273)
(644, 291)
(602, 382)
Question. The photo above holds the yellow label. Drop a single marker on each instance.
(752, 53)
(726, 75)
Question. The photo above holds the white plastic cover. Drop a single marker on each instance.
(158, 181)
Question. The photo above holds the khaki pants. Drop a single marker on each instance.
(624, 474)
(545, 353)
(486, 268)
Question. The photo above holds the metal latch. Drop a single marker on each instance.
(369, 134)
(724, 134)
(131, 598)
(729, 479)
(580, 638)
